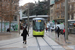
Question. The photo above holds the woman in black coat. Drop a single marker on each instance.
(24, 34)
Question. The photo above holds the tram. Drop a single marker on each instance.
(38, 27)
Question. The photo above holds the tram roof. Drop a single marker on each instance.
(38, 19)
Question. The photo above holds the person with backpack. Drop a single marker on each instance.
(64, 32)
(58, 31)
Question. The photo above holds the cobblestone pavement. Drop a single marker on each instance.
(9, 35)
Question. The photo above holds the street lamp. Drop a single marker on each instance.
(66, 19)
(28, 17)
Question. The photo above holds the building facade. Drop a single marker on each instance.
(60, 10)
(71, 10)
(9, 13)
(52, 12)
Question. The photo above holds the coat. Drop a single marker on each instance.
(24, 34)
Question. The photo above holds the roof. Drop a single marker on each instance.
(35, 16)
(38, 19)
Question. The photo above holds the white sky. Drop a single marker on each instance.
(22, 2)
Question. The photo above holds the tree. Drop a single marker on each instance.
(42, 8)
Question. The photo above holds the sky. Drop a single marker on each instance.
(22, 2)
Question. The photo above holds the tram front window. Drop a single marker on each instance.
(38, 26)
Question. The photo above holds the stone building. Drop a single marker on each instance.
(60, 10)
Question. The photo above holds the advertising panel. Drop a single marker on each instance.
(14, 26)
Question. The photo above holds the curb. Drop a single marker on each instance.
(67, 48)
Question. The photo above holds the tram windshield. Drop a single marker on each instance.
(38, 25)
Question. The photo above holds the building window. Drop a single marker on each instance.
(51, 11)
(68, 0)
(72, 7)
(68, 7)
(15, 18)
(62, 15)
(58, 6)
(68, 16)
(57, 15)
(72, 16)
(15, 7)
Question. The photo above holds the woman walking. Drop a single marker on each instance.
(24, 34)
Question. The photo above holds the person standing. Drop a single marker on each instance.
(24, 34)
(46, 29)
(8, 30)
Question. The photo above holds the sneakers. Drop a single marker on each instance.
(24, 42)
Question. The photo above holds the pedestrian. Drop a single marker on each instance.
(58, 31)
(51, 29)
(64, 32)
(46, 29)
(8, 30)
(24, 34)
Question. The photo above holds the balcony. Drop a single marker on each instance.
(71, 2)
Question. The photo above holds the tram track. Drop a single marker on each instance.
(39, 46)
(47, 43)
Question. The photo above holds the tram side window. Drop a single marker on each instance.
(34, 25)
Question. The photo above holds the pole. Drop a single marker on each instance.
(50, 16)
(18, 21)
(66, 19)
(49, 12)
(28, 17)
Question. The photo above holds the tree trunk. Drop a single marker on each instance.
(1, 24)
(10, 25)
(4, 26)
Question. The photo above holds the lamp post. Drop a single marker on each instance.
(66, 19)
(28, 17)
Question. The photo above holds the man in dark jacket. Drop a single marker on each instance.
(24, 34)
(58, 31)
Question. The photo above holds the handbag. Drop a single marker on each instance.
(22, 34)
